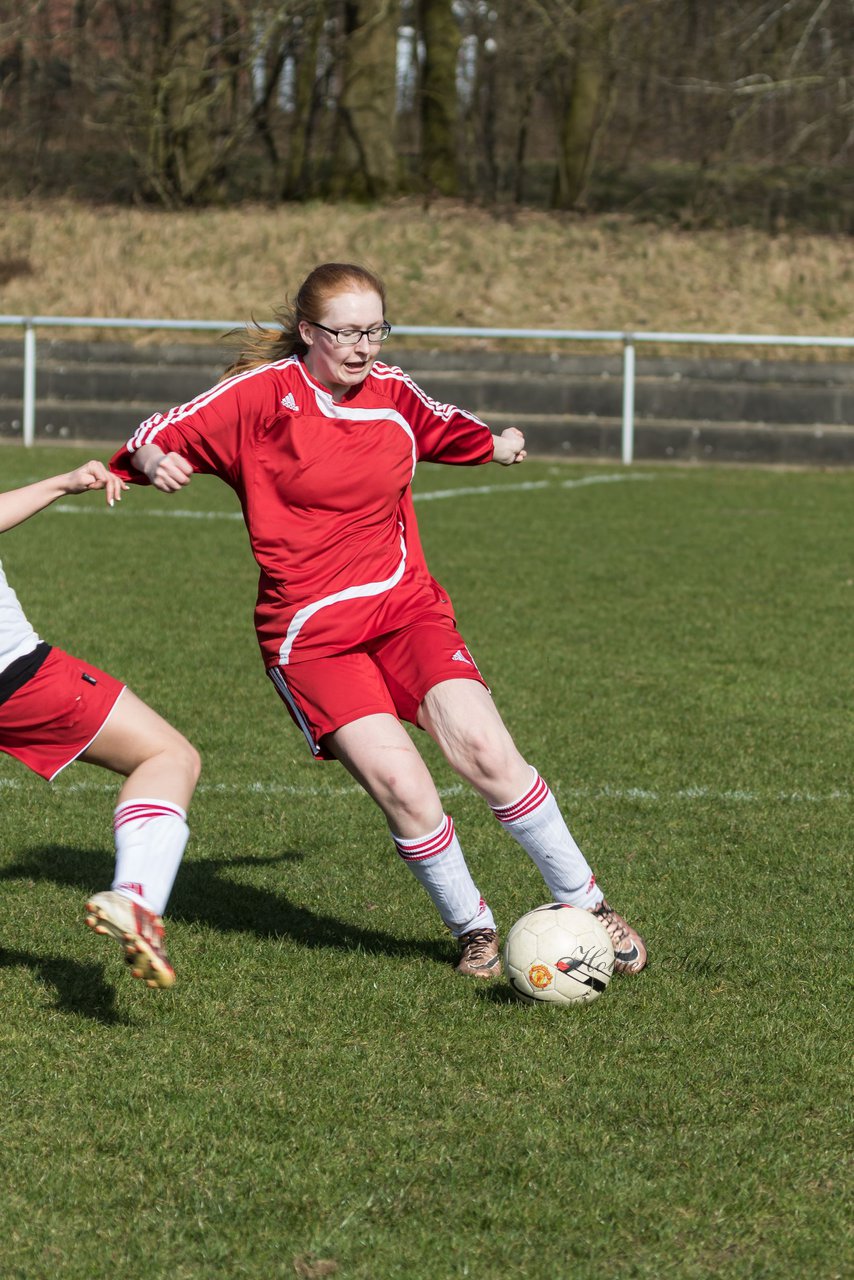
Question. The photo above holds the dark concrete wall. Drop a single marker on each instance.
(569, 405)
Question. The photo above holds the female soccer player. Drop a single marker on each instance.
(319, 440)
(55, 709)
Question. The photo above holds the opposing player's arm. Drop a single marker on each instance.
(509, 447)
(17, 505)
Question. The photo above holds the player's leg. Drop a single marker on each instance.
(378, 752)
(152, 755)
(462, 718)
(161, 769)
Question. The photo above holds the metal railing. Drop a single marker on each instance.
(627, 338)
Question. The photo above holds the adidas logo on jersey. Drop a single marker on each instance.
(459, 656)
(290, 403)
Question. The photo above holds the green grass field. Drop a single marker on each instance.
(320, 1095)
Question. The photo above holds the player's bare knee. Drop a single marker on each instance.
(193, 762)
(190, 761)
(183, 758)
(481, 758)
(404, 797)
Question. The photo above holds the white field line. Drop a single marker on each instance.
(650, 796)
(647, 795)
(606, 792)
(173, 513)
(475, 489)
(430, 495)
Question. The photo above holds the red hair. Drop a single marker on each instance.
(325, 282)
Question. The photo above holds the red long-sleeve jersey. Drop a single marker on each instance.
(325, 492)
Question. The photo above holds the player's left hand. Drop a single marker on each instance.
(94, 475)
(509, 447)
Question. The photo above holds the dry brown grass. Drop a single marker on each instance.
(451, 264)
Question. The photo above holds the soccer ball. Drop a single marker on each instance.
(559, 955)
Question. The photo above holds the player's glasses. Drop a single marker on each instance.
(349, 337)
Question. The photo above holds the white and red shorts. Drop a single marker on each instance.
(390, 675)
(57, 714)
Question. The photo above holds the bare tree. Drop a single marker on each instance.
(192, 101)
(186, 146)
(297, 179)
(440, 34)
(583, 105)
(365, 162)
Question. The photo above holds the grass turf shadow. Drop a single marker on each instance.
(203, 896)
(78, 988)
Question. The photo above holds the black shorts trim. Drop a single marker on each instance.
(16, 675)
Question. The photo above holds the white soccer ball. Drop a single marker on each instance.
(559, 955)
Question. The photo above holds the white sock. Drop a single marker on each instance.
(151, 836)
(436, 860)
(537, 823)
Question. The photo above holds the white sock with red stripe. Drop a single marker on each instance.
(537, 823)
(436, 860)
(151, 836)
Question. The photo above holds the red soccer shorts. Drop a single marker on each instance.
(57, 714)
(390, 675)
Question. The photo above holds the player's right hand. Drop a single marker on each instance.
(509, 447)
(168, 472)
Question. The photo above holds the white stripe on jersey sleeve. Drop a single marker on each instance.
(391, 373)
(147, 431)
